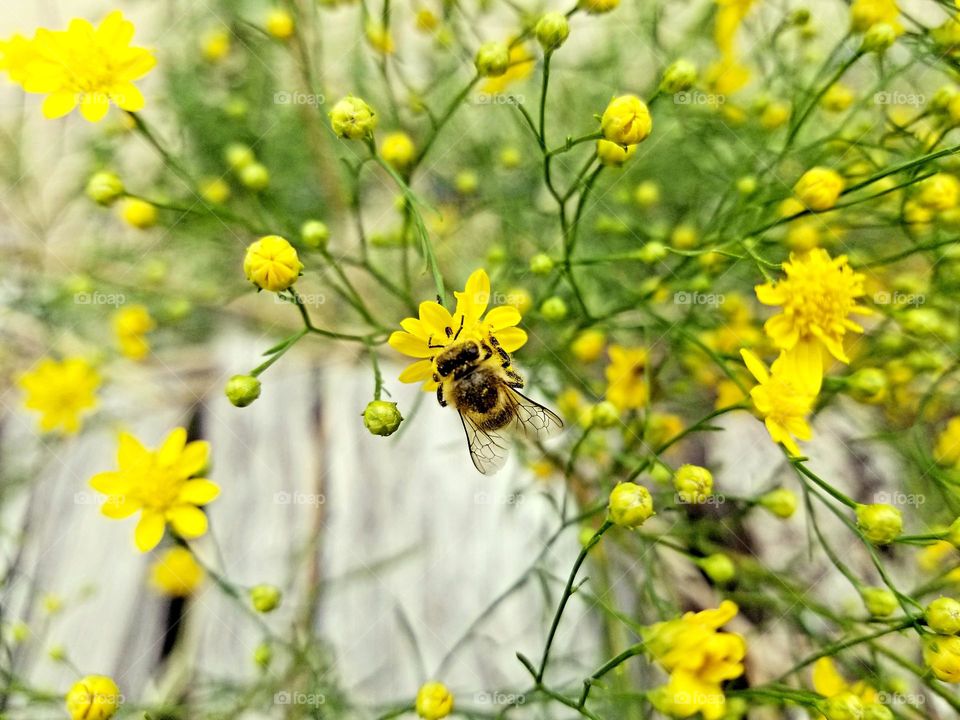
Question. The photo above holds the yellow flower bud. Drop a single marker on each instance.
(941, 653)
(434, 701)
(630, 505)
(492, 59)
(774, 115)
(520, 299)
(880, 523)
(604, 415)
(510, 158)
(466, 182)
(868, 385)
(626, 121)
(541, 264)
(781, 502)
(819, 188)
(382, 418)
(215, 45)
(879, 601)
(265, 598)
(652, 252)
(139, 213)
(837, 98)
(693, 483)
(552, 30)
(255, 176)
(280, 24)
(398, 150)
(879, 38)
(553, 308)
(352, 119)
(176, 573)
(588, 346)
(105, 188)
(843, 706)
(95, 697)
(271, 263)
(612, 155)
(943, 616)
(747, 185)
(939, 192)
(242, 390)
(596, 7)
(647, 194)
(239, 156)
(263, 655)
(679, 76)
(718, 567)
(52, 603)
(684, 237)
(215, 191)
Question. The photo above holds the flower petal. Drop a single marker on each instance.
(410, 345)
(187, 521)
(416, 372)
(94, 106)
(502, 317)
(149, 530)
(118, 507)
(436, 319)
(511, 338)
(194, 458)
(127, 96)
(172, 447)
(755, 366)
(131, 454)
(109, 483)
(58, 104)
(198, 492)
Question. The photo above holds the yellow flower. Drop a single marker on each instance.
(698, 658)
(939, 192)
(726, 76)
(819, 188)
(774, 115)
(379, 38)
(95, 697)
(829, 682)
(398, 150)
(587, 347)
(626, 377)
(272, 263)
(520, 67)
(730, 15)
(176, 573)
(818, 295)
(837, 98)
(158, 484)
(597, 7)
(62, 392)
(215, 45)
(434, 701)
(613, 155)
(130, 326)
(626, 121)
(864, 14)
(435, 328)
(139, 213)
(947, 450)
(941, 653)
(280, 24)
(83, 65)
(784, 397)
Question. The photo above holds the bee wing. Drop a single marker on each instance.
(533, 420)
(488, 449)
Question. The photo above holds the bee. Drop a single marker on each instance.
(477, 378)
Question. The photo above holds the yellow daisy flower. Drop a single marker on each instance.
(159, 484)
(784, 397)
(435, 328)
(626, 377)
(818, 295)
(62, 392)
(82, 65)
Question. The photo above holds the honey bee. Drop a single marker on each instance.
(477, 377)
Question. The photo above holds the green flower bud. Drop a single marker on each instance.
(541, 264)
(781, 502)
(493, 59)
(880, 523)
(604, 415)
(552, 30)
(718, 567)
(630, 505)
(879, 601)
(844, 706)
(352, 119)
(242, 390)
(554, 308)
(239, 156)
(382, 418)
(878, 38)
(265, 598)
(679, 76)
(943, 616)
(255, 176)
(105, 188)
(693, 483)
(263, 655)
(652, 252)
(314, 234)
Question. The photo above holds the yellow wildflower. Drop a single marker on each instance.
(434, 701)
(436, 328)
(626, 121)
(215, 45)
(784, 397)
(61, 391)
(819, 188)
(864, 14)
(130, 326)
(95, 697)
(138, 213)
(159, 484)
(829, 682)
(947, 450)
(939, 192)
(941, 653)
(817, 297)
(379, 38)
(613, 155)
(729, 17)
(280, 24)
(837, 98)
(83, 65)
(398, 150)
(176, 573)
(271, 263)
(698, 658)
(626, 377)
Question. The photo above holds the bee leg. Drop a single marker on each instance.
(504, 355)
(432, 346)
(450, 332)
(487, 350)
(443, 403)
(513, 379)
